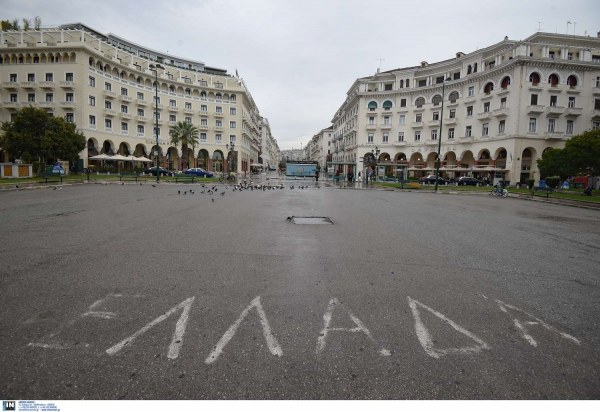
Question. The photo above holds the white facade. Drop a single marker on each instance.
(503, 106)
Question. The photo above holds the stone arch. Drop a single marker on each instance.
(108, 147)
(372, 105)
(466, 156)
(92, 147)
(506, 81)
(500, 153)
(384, 157)
(147, 82)
(454, 95)
(488, 87)
(218, 161)
(124, 149)
(388, 104)
(554, 78)
(484, 154)
(179, 90)
(195, 93)
(400, 156)
(203, 159)
(416, 159)
(73, 57)
(232, 98)
(436, 99)
(573, 79)
(164, 87)
(419, 101)
(140, 150)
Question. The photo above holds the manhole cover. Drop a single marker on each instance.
(298, 220)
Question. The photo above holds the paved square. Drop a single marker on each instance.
(135, 292)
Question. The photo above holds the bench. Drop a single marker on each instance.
(132, 175)
(185, 177)
(50, 175)
(542, 191)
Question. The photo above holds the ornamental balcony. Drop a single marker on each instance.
(596, 91)
(450, 121)
(554, 135)
(141, 118)
(10, 105)
(371, 126)
(67, 84)
(536, 108)
(67, 105)
(385, 126)
(109, 93)
(595, 114)
(433, 123)
(204, 113)
(203, 127)
(10, 85)
(484, 116)
(141, 134)
(125, 132)
(109, 112)
(573, 111)
(47, 85)
(431, 142)
(218, 114)
(124, 98)
(466, 139)
(29, 85)
(157, 106)
(402, 143)
(124, 115)
(173, 108)
(503, 111)
(172, 123)
(218, 128)
(554, 110)
(141, 102)
(417, 124)
(46, 104)
(188, 111)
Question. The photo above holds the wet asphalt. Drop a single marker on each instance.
(406, 295)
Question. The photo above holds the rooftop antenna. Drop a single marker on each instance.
(568, 26)
(380, 60)
(539, 25)
(574, 26)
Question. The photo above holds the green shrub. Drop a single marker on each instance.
(553, 181)
(530, 182)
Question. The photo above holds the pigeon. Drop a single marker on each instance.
(223, 194)
(17, 186)
(191, 192)
(203, 191)
(122, 183)
(153, 185)
(179, 192)
(184, 193)
(140, 184)
(54, 188)
(213, 200)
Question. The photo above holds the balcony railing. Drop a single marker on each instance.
(555, 110)
(484, 116)
(433, 123)
(157, 106)
(124, 98)
(465, 139)
(397, 143)
(386, 126)
(501, 112)
(108, 129)
(595, 114)
(110, 112)
(203, 113)
(141, 102)
(535, 108)
(46, 104)
(67, 84)
(218, 114)
(554, 135)
(188, 111)
(173, 108)
(29, 85)
(47, 85)
(573, 111)
(141, 118)
(125, 132)
(219, 128)
(417, 124)
(109, 93)
(450, 120)
(370, 126)
(172, 123)
(67, 104)
(141, 134)
(125, 115)
(10, 85)
(203, 127)
(431, 142)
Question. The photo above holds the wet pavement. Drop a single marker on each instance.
(136, 292)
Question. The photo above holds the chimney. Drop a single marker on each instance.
(599, 34)
(378, 70)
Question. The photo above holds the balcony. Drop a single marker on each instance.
(203, 127)
(573, 90)
(109, 112)
(141, 118)
(450, 121)
(67, 84)
(535, 108)
(535, 86)
(503, 91)
(173, 108)
(203, 113)
(431, 142)
(141, 134)
(108, 129)
(172, 123)
(188, 111)
(554, 110)
(109, 94)
(125, 115)
(218, 128)
(159, 122)
(67, 105)
(416, 124)
(594, 113)
(385, 126)
(433, 123)
(124, 98)
(596, 91)
(466, 139)
(501, 112)
(10, 85)
(157, 106)
(371, 126)
(218, 114)
(573, 111)
(10, 105)
(554, 135)
(47, 85)
(46, 104)
(125, 132)
(402, 143)
(29, 85)
(141, 102)
(484, 116)
(92, 127)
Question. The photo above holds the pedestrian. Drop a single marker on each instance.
(371, 174)
(349, 175)
(317, 175)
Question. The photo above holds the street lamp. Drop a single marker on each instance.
(154, 68)
(439, 154)
(230, 148)
(375, 153)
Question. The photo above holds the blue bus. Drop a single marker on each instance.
(300, 169)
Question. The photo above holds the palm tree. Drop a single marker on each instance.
(186, 134)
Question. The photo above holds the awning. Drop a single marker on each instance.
(118, 157)
(143, 159)
(99, 157)
(256, 165)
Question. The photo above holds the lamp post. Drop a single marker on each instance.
(154, 68)
(230, 148)
(375, 153)
(439, 154)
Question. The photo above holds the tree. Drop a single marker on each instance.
(557, 162)
(37, 22)
(26, 24)
(282, 165)
(15, 24)
(186, 134)
(33, 134)
(5, 25)
(584, 152)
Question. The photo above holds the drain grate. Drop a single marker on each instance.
(311, 220)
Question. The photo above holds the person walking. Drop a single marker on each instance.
(317, 176)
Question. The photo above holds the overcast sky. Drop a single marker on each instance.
(299, 58)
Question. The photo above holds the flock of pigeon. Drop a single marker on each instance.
(235, 188)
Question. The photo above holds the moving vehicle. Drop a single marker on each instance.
(469, 181)
(499, 191)
(198, 171)
(431, 179)
(162, 171)
(230, 177)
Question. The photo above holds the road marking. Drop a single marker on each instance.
(272, 343)
(360, 327)
(177, 340)
(523, 329)
(425, 337)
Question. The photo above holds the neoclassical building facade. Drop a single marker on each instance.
(502, 107)
(105, 84)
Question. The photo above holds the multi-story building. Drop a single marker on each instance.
(269, 156)
(106, 85)
(319, 147)
(504, 105)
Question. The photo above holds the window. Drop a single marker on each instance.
(218, 109)
(69, 118)
(469, 111)
(231, 138)
(232, 111)
(501, 126)
(595, 125)
(156, 116)
(172, 118)
(532, 125)
(486, 129)
(140, 129)
(92, 120)
(403, 101)
(232, 125)
(31, 77)
(486, 107)
(140, 112)
(172, 103)
(534, 78)
(371, 120)
(204, 108)
(456, 76)
(218, 123)
(203, 137)
(69, 97)
(453, 97)
(436, 116)
(124, 109)
(553, 100)
(471, 92)
(13, 78)
(386, 120)
(402, 119)
(218, 138)
(107, 104)
(13, 98)
(157, 131)
(434, 135)
(107, 123)
(92, 100)
(372, 106)
(551, 125)
(437, 99)
(370, 138)
(569, 127)
(31, 97)
(598, 81)
(156, 99)
(419, 118)
(571, 101)
(124, 127)
(385, 138)
(503, 103)
(417, 135)
(49, 77)
(140, 96)
(69, 77)
(451, 133)
(553, 80)
(468, 131)
(388, 86)
(453, 113)
(422, 83)
(420, 102)
(400, 136)
(534, 99)
(203, 122)
(107, 86)
(188, 105)
(123, 91)
(49, 97)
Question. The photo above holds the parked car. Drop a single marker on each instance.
(198, 171)
(162, 170)
(431, 179)
(469, 181)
